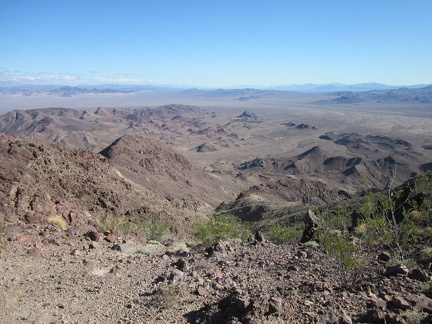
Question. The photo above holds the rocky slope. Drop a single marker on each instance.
(284, 200)
(94, 129)
(165, 172)
(371, 161)
(39, 181)
(118, 280)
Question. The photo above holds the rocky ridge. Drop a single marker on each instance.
(99, 279)
(39, 181)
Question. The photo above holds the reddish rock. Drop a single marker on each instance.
(26, 238)
(420, 302)
(201, 291)
(95, 245)
(93, 235)
(59, 241)
(33, 252)
(34, 218)
(111, 238)
(377, 302)
(401, 303)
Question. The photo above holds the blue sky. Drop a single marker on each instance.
(216, 43)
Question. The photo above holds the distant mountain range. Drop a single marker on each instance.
(333, 87)
(68, 91)
(413, 95)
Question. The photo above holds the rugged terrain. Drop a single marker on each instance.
(98, 207)
(119, 280)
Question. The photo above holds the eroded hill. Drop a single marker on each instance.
(137, 175)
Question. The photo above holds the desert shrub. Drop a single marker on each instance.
(280, 234)
(220, 228)
(349, 263)
(425, 255)
(312, 244)
(412, 317)
(380, 223)
(144, 250)
(110, 223)
(3, 239)
(335, 238)
(168, 295)
(409, 263)
(149, 224)
(58, 221)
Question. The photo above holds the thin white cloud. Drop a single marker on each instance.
(117, 80)
(16, 76)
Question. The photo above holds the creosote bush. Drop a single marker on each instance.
(149, 224)
(398, 219)
(220, 228)
(110, 223)
(281, 234)
(346, 254)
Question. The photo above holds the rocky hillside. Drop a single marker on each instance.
(120, 280)
(40, 180)
(369, 161)
(284, 200)
(166, 173)
(94, 129)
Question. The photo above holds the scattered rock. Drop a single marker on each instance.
(176, 275)
(111, 238)
(95, 245)
(384, 256)
(181, 265)
(401, 303)
(93, 235)
(418, 274)
(201, 291)
(33, 252)
(396, 269)
(116, 247)
(116, 271)
(76, 252)
(420, 302)
(276, 305)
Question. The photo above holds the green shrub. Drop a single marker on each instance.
(110, 223)
(349, 263)
(144, 250)
(425, 255)
(280, 234)
(149, 224)
(220, 228)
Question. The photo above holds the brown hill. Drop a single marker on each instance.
(161, 170)
(42, 180)
(285, 199)
(94, 129)
(139, 175)
(369, 160)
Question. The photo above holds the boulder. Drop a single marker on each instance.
(312, 223)
(396, 269)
